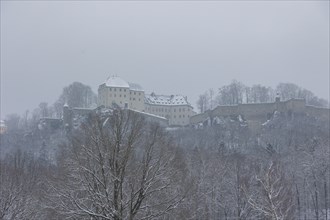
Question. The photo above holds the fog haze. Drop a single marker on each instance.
(167, 47)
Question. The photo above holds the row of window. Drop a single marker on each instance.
(134, 99)
(183, 116)
(115, 89)
(129, 98)
(178, 122)
(124, 97)
(153, 109)
(124, 90)
(168, 116)
(114, 95)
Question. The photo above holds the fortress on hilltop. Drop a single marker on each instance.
(175, 110)
(257, 113)
(116, 92)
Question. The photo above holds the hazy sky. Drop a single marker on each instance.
(168, 47)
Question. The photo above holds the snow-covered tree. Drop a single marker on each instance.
(119, 168)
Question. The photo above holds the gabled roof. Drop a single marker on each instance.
(115, 81)
(154, 99)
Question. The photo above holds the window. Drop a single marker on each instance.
(110, 89)
(119, 90)
(134, 93)
(114, 89)
(114, 95)
(139, 99)
(120, 95)
(125, 96)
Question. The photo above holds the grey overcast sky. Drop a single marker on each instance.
(168, 47)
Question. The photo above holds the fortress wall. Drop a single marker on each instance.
(280, 106)
(195, 119)
(151, 117)
(296, 105)
(323, 113)
(256, 111)
(225, 111)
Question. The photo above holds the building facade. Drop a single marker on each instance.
(173, 107)
(117, 92)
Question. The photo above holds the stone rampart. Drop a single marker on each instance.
(322, 113)
(225, 110)
(295, 105)
(256, 111)
(259, 112)
(199, 118)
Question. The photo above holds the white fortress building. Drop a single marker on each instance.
(117, 92)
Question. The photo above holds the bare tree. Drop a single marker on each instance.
(120, 168)
(274, 198)
(17, 188)
(203, 102)
(290, 90)
(231, 94)
(76, 95)
(259, 94)
(12, 122)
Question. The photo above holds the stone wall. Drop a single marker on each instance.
(153, 118)
(199, 118)
(257, 113)
(225, 110)
(322, 113)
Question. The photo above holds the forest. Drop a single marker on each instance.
(116, 165)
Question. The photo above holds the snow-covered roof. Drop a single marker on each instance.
(135, 87)
(154, 99)
(115, 81)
